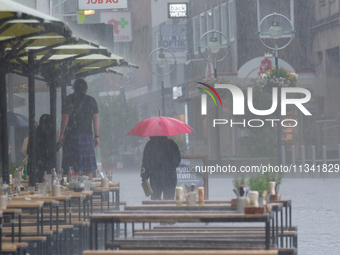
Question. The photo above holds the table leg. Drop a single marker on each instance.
(79, 210)
(65, 213)
(84, 204)
(108, 201)
(70, 210)
(286, 216)
(273, 230)
(117, 200)
(38, 222)
(101, 202)
(277, 227)
(19, 229)
(92, 204)
(267, 234)
(90, 239)
(96, 236)
(51, 216)
(1, 233)
(12, 221)
(281, 245)
(42, 220)
(125, 229)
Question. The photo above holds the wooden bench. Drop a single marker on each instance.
(184, 252)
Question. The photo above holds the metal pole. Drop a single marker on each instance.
(217, 133)
(53, 113)
(31, 117)
(3, 121)
(279, 159)
(303, 158)
(163, 103)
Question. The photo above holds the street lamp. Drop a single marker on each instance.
(276, 32)
(162, 62)
(214, 47)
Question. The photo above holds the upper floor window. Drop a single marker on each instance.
(224, 22)
(196, 34)
(202, 31)
(231, 8)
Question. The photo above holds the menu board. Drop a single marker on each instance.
(187, 173)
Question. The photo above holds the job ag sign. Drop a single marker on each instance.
(121, 25)
(101, 4)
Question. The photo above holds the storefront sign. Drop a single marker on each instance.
(177, 10)
(121, 25)
(101, 4)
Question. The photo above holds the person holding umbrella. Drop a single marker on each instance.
(161, 155)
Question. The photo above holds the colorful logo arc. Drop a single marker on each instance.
(212, 89)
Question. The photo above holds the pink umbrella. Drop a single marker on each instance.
(160, 126)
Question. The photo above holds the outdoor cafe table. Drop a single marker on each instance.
(176, 217)
(62, 198)
(47, 201)
(37, 205)
(102, 191)
(161, 202)
(13, 213)
(166, 207)
(84, 196)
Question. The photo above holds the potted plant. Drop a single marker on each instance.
(277, 178)
(260, 184)
(239, 184)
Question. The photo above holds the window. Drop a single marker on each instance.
(217, 18)
(231, 8)
(196, 34)
(209, 24)
(224, 22)
(266, 7)
(202, 31)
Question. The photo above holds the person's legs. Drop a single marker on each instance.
(157, 190)
(169, 191)
(85, 160)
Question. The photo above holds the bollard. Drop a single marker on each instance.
(283, 155)
(313, 161)
(324, 158)
(303, 158)
(293, 156)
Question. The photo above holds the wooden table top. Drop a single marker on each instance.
(46, 200)
(179, 217)
(37, 197)
(161, 202)
(15, 211)
(111, 184)
(180, 208)
(25, 204)
(73, 194)
(100, 189)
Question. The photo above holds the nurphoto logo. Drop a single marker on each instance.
(239, 104)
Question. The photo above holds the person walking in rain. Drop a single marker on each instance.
(161, 156)
(79, 112)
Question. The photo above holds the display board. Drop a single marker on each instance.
(187, 174)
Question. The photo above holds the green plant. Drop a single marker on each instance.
(258, 183)
(239, 181)
(274, 177)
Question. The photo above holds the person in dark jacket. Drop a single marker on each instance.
(43, 147)
(161, 156)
